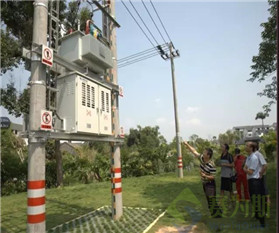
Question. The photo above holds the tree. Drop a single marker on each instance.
(13, 163)
(16, 103)
(74, 14)
(264, 64)
(229, 137)
(17, 17)
(262, 116)
(10, 52)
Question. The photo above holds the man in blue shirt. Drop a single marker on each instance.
(253, 168)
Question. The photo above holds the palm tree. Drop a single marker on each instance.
(262, 116)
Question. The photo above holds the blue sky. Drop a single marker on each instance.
(216, 41)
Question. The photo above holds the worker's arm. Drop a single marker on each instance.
(209, 177)
(264, 167)
(247, 170)
(227, 165)
(192, 149)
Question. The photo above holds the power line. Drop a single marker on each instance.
(160, 20)
(138, 60)
(137, 54)
(160, 50)
(161, 47)
(153, 21)
(137, 23)
(143, 22)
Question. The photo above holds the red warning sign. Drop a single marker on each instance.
(121, 133)
(46, 120)
(47, 56)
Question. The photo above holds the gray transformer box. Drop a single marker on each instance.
(86, 50)
(84, 105)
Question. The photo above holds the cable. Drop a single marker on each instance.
(137, 54)
(160, 21)
(137, 23)
(153, 21)
(161, 51)
(142, 53)
(123, 65)
(143, 22)
(137, 59)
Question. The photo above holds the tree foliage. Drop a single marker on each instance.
(10, 52)
(15, 103)
(17, 17)
(229, 137)
(264, 64)
(13, 163)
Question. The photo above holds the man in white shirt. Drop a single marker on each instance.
(253, 168)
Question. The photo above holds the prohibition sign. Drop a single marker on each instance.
(47, 54)
(46, 117)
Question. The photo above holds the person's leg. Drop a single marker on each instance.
(238, 188)
(245, 186)
(256, 195)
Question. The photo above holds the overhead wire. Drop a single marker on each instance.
(138, 60)
(143, 22)
(160, 21)
(129, 62)
(142, 53)
(146, 54)
(162, 51)
(137, 22)
(153, 20)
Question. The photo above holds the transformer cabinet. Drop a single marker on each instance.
(84, 106)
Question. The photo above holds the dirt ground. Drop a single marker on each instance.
(183, 229)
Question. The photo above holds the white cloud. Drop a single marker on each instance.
(192, 109)
(161, 120)
(194, 121)
(157, 100)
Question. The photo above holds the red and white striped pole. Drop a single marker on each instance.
(36, 201)
(116, 183)
(179, 162)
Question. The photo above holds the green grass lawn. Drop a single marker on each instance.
(183, 198)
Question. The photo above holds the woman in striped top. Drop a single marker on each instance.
(207, 172)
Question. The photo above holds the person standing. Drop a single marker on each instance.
(253, 168)
(239, 162)
(207, 172)
(263, 171)
(226, 164)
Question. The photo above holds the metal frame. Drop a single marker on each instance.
(103, 9)
(71, 67)
(72, 137)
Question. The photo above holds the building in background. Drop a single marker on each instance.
(252, 131)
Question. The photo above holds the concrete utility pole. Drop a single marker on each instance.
(178, 144)
(116, 183)
(36, 149)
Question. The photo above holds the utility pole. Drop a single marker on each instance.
(109, 30)
(36, 148)
(178, 144)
